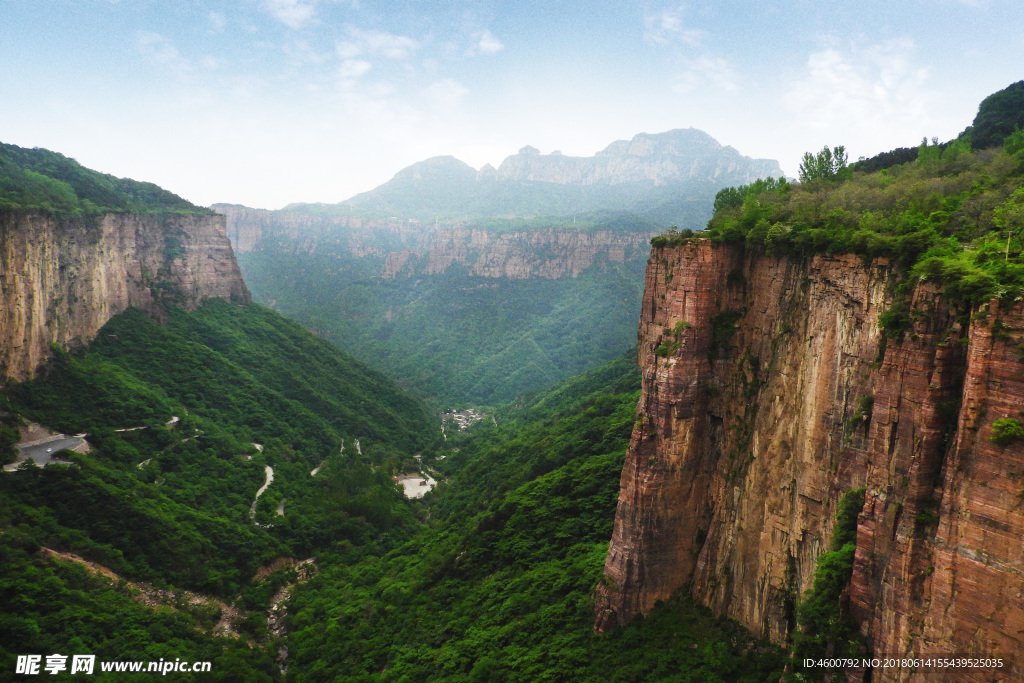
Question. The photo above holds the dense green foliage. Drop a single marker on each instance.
(1006, 430)
(828, 164)
(895, 157)
(499, 586)
(170, 503)
(451, 336)
(825, 630)
(244, 366)
(58, 607)
(733, 197)
(51, 182)
(954, 216)
(999, 115)
(8, 437)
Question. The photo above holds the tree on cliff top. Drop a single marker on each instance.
(999, 115)
(828, 164)
(38, 179)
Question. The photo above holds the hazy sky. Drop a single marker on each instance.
(266, 102)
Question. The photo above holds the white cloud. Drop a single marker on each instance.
(376, 43)
(445, 94)
(353, 69)
(706, 72)
(667, 28)
(873, 91)
(488, 44)
(161, 50)
(292, 13)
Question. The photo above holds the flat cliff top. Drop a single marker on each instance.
(38, 179)
(952, 216)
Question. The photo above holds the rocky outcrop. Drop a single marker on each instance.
(769, 390)
(62, 279)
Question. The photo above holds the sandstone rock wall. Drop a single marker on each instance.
(542, 253)
(745, 441)
(251, 229)
(408, 248)
(61, 280)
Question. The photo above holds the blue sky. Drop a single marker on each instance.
(266, 102)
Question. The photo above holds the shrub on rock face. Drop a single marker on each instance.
(1006, 430)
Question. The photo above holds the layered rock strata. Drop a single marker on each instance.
(61, 280)
(769, 389)
(407, 248)
(547, 254)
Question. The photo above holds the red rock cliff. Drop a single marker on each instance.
(767, 392)
(62, 280)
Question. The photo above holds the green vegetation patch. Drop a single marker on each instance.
(49, 606)
(953, 216)
(824, 629)
(50, 182)
(453, 337)
(1006, 430)
(499, 587)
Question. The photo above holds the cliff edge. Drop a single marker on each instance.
(771, 387)
(62, 279)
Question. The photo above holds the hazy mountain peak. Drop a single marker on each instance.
(676, 142)
(679, 155)
(665, 170)
(444, 167)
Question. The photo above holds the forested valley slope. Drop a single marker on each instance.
(473, 287)
(238, 503)
(819, 455)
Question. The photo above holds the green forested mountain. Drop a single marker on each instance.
(476, 286)
(498, 584)
(169, 504)
(454, 336)
(666, 178)
(493, 583)
(51, 182)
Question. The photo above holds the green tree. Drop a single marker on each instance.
(998, 115)
(828, 164)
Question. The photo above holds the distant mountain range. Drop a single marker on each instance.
(666, 178)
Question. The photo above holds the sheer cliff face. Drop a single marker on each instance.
(747, 437)
(543, 253)
(406, 248)
(61, 280)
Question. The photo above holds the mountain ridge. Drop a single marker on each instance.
(635, 175)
